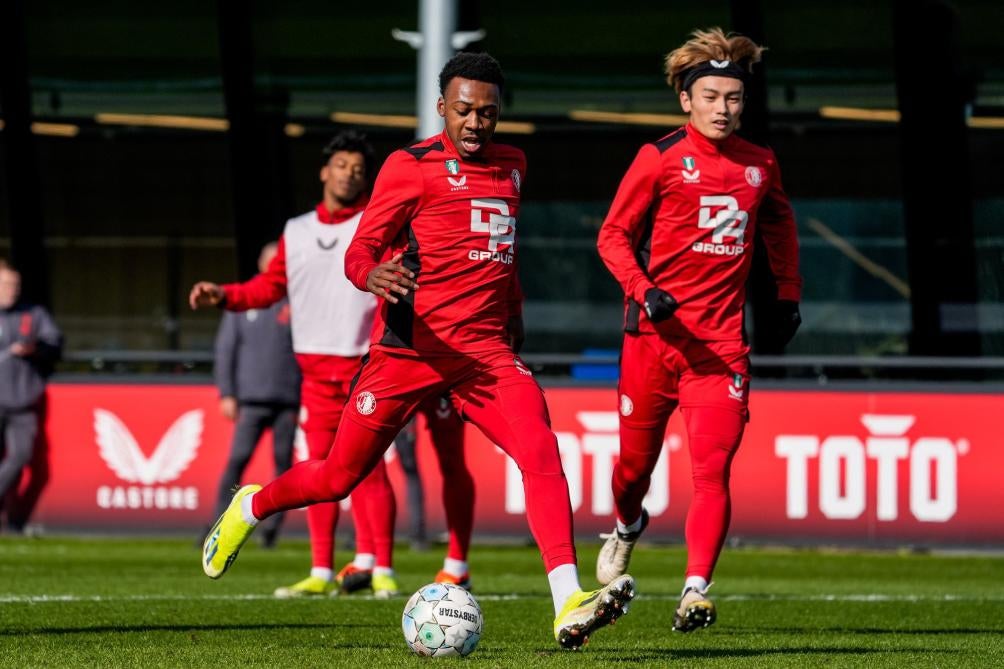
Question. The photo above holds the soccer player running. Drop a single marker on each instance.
(445, 211)
(679, 240)
(331, 323)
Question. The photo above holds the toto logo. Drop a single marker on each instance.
(590, 453)
(933, 471)
(172, 456)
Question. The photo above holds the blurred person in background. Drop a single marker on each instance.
(331, 324)
(440, 419)
(259, 383)
(30, 345)
(679, 240)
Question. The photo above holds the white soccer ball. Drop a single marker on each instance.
(442, 620)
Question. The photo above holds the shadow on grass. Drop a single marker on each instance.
(870, 631)
(236, 627)
(665, 654)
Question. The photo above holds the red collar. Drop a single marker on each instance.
(343, 214)
(709, 145)
(448, 147)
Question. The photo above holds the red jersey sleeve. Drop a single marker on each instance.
(625, 223)
(262, 290)
(396, 197)
(776, 224)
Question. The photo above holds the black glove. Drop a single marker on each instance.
(659, 305)
(786, 321)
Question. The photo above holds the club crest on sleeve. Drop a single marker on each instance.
(516, 181)
(627, 406)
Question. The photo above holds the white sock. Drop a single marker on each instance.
(246, 510)
(322, 572)
(383, 571)
(695, 582)
(456, 568)
(628, 529)
(364, 561)
(564, 580)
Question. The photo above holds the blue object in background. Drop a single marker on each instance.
(600, 371)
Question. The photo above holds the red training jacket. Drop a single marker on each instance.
(455, 220)
(684, 219)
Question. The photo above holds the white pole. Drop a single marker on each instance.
(436, 21)
(435, 42)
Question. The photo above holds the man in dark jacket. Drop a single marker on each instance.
(30, 343)
(259, 385)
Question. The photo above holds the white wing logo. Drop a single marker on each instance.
(176, 450)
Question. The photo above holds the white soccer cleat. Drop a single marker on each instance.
(694, 612)
(615, 555)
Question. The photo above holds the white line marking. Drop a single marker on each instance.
(750, 597)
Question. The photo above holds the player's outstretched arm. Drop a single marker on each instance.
(205, 294)
(390, 279)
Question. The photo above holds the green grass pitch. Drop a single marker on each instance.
(74, 602)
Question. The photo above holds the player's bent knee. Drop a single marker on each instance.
(537, 452)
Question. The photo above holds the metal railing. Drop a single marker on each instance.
(597, 367)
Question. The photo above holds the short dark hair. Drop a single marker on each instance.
(476, 66)
(353, 141)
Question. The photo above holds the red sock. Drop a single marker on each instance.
(458, 484)
(360, 519)
(515, 418)
(714, 435)
(379, 510)
(355, 452)
(322, 519)
(640, 448)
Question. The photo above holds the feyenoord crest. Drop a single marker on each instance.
(754, 177)
(515, 179)
(365, 403)
(453, 166)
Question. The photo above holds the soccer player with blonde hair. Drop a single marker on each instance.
(679, 240)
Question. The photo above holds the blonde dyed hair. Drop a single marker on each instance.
(711, 44)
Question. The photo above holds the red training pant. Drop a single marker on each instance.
(496, 392)
(710, 382)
